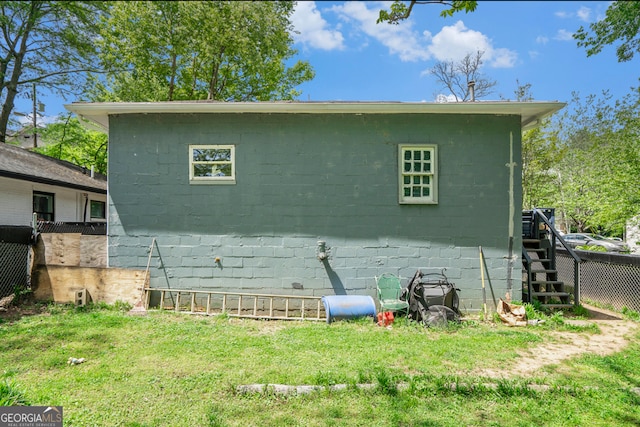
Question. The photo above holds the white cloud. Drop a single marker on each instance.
(312, 30)
(502, 58)
(27, 120)
(401, 40)
(542, 39)
(441, 98)
(454, 42)
(584, 14)
(564, 35)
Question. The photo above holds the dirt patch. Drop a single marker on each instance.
(12, 308)
(13, 313)
(614, 337)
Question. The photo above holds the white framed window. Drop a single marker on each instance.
(212, 164)
(418, 170)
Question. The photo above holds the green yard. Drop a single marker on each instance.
(164, 369)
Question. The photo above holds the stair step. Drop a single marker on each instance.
(540, 260)
(525, 241)
(547, 282)
(558, 305)
(544, 271)
(550, 294)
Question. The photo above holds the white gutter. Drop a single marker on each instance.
(531, 113)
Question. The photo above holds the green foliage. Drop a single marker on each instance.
(97, 306)
(580, 311)
(631, 314)
(585, 163)
(46, 43)
(534, 310)
(621, 24)
(540, 154)
(386, 382)
(592, 248)
(11, 395)
(399, 10)
(555, 319)
(22, 295)
(222, 50)
(69, 140)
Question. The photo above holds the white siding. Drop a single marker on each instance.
(16, 200)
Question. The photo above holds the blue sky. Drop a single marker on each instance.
(526, 42)
(356, 59)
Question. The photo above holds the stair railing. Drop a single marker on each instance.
(555, 236)
(528, 262)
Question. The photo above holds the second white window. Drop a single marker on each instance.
(212, 164)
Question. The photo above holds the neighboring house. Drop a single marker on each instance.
(23, 137)
(53, 189)
(248, 197)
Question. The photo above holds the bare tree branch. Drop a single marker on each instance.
(455, 77)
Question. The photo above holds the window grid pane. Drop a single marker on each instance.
(211, 164)
(417, 174)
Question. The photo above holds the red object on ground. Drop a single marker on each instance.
(385, 318)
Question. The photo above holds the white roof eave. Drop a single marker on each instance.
(531, 113)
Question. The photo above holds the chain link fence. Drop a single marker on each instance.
(16, 250)
(608, 279)
(15, 258)
(14, 264)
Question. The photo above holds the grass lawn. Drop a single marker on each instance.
(167, 369)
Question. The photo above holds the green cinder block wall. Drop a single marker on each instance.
(302, 178)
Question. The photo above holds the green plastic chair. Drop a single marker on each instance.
(389, 289)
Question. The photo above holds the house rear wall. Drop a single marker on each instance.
(308, 177)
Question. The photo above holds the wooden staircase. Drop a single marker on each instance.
(545, 286)
(540, 276)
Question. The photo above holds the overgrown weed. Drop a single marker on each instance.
(11, 395)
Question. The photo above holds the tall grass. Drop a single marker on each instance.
(165, 369)
(11, 395)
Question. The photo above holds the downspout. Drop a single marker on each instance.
(86, 202)
(512, 212)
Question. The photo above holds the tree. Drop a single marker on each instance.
(540, 154)
(540, 178)
(621, 23)
(48, 43)
(456, 76)
(71, 141)
(399, 11)
(598, 163)
(222, 50)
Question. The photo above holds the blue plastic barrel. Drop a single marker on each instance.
(338, 307)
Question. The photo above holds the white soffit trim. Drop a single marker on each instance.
(530, 112)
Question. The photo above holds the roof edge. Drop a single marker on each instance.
(48, 181)
(531, 112)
